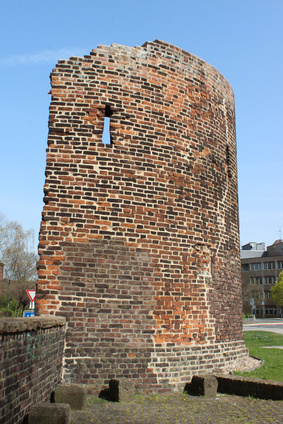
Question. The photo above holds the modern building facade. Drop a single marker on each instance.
(260, 270)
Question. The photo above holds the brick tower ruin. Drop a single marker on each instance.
(139, 241)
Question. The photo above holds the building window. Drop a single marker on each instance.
(256, 267)
(268, 265)
(245, 267)
(270, 310)
(268, 280)
(256, 280)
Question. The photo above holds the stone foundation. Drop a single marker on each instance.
(160, 370)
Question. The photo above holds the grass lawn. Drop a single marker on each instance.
(273, 365)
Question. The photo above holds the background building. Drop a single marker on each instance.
(260, 269)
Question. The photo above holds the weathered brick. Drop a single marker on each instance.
(145, 228)
(30, 363)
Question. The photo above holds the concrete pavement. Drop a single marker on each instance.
(273, 324)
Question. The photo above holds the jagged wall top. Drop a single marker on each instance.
(180, 59)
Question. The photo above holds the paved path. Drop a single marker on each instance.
(275, 325)
(180, 409)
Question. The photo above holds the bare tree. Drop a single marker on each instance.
(252, 291)
(17, 254)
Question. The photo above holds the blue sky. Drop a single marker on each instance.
(243, 39)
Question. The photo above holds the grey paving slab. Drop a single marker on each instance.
(272, 347)
(181, 408)
(274, 325)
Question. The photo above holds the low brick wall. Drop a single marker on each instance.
(244, 386)
(30, 363)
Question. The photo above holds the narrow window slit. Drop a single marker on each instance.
(228, 161)
(106, 135)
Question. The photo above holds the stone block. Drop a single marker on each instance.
(73, 394)
(50, 413)
(203, 385)
(121, 390)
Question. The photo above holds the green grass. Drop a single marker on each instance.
(94, 400)
(272, 368)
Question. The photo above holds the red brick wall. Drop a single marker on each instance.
(31, 357)
(139, 243)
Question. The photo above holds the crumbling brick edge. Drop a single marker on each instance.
(18, 325)
(247, 386)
